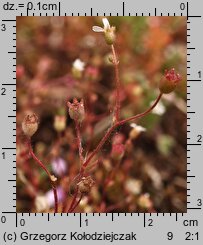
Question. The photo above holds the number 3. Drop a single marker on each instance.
(3, 27)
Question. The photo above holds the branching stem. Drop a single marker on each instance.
(48, 173)
(115, 63)
(119, 123)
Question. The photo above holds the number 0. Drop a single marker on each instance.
(3, 219)
(182, 6)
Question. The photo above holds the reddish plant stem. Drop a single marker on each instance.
(74, 200)
(108, 133)
(48, 173)
(55, 198)
(113, 207)
(99, 146)
(37, 160)
(112, 174)
(109, 179)
(79, 141)
(115, 63)
(143, 113)
(76, 204)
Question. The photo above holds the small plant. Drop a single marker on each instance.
(83, 181)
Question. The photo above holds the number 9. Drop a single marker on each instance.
(170, 235)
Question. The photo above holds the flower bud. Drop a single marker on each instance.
(50, 197)
(85, 185)
(136, 131)
(30, 124)
(77, 110)
(59, 166)
(110, 58)
(117, 151)
(53, 178)
(20, 71)
(59, 123)
(92, 73)
(169, 82)
(110, 35)
(109, 31)
(77, 68)
(145, 202)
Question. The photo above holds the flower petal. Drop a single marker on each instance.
(106, 24)
(138, 127)
(78, 65)
(97, 29)
(159, 109)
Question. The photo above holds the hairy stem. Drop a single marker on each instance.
(48, 173)
(115, 63)
(74, 200)
(143, 113)
(76, 204)
(55, 198)
(101, 143)
(119, 123)
(79, 141)
(109, 179)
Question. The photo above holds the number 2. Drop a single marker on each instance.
(3, 91)
(199, 138)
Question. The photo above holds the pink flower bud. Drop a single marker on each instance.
(169, 82)
(77, 110)
(118, 139)
(92, 73)
(20, 71)
(30, 124)
(117, 151)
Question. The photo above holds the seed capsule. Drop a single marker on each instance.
(169, 82)
(85, 185)
(30, 124)
(77, 110)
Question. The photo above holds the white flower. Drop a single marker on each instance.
(138, 127)
(41, 203)
(133, 186)
(78, 65)
(159, 109)
(105, 28)
(109, 31)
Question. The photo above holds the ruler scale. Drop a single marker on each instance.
(110, 227)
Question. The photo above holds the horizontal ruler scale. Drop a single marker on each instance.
(88, 228)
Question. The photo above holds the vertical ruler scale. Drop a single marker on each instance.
(8, 111)
(194, 117)
(145, 228)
